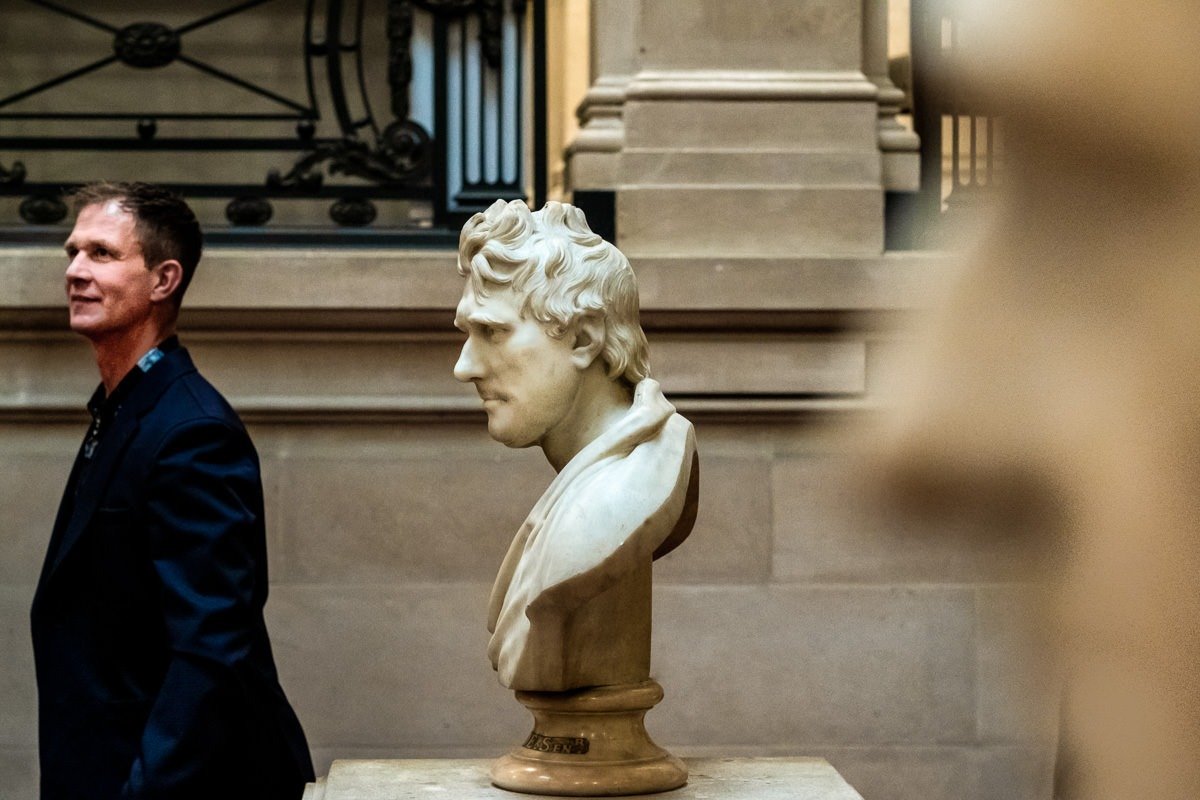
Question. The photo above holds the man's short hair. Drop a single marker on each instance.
(165, 226)
(563, 270)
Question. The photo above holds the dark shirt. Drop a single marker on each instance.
(104, 409)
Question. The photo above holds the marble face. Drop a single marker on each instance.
(526, 378)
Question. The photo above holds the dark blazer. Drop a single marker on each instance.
(155, 675)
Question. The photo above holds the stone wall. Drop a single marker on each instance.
(794, 621)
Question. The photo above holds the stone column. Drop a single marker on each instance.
(592, 158)
(900, 146)
(750, 129)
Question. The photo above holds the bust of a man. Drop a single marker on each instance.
(556, 352)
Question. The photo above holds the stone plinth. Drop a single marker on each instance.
(710, 779)
(590, 743)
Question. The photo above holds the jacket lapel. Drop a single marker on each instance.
(116, 439)
(62, 518)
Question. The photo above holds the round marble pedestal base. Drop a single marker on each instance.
(590, 743)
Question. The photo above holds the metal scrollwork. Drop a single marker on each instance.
(491, 30)
(14, 176)
(42, 209)
(147, 45)
(406, 146)
(248, 211)
(304, 175)
(403, 154)
(491, 17)
(353, 213)
(340, 128)
(400, 72)
(402, 151)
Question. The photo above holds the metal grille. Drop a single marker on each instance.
(961, 143)
(281, 120)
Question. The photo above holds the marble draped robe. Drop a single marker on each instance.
(572, 601)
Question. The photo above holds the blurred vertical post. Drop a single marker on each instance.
(1057, 398)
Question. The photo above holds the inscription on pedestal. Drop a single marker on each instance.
(568, 745)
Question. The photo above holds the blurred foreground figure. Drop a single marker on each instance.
(1061, 391)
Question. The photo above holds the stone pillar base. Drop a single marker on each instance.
(590, 743)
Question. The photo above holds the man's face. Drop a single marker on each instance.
(108, 284)
(526, 377)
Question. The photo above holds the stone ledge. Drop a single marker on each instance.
(429, 409)
(467, 779)
(387, 286)
(749, 85)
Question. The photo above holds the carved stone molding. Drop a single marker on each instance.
(428, 410)
(748, 85)
(900, 146)
(601, 129)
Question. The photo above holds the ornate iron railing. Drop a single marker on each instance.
(294, 120)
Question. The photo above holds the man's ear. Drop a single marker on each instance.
(588, 330)
(167, 277)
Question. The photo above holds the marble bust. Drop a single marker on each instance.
(556, 352)
(555, 349)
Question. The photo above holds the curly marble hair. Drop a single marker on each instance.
(563, 270)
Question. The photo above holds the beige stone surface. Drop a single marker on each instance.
(337, 516)
(393, 665)
(909, 773)
(919, 772)
(592, 170)
(711, 779)
(18, 720)
(745, 220)
(731, 541)
(57, 365)
(19, 770)
(765, 167)
(345, 523)
(806, 665)
(1015, 772)
(364, 371)
(1018, 700)
(828, 529)
(902, 171)
(762, 364)
(750, 125)
(349, 363)
(959, 772)
(29, 502)
(383, 289)
(719, 282)
(267, 279)
(752, 34)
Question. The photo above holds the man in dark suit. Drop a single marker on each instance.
(155, 674)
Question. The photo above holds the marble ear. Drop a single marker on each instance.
(588, 330)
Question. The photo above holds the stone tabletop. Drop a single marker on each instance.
(463, 779)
